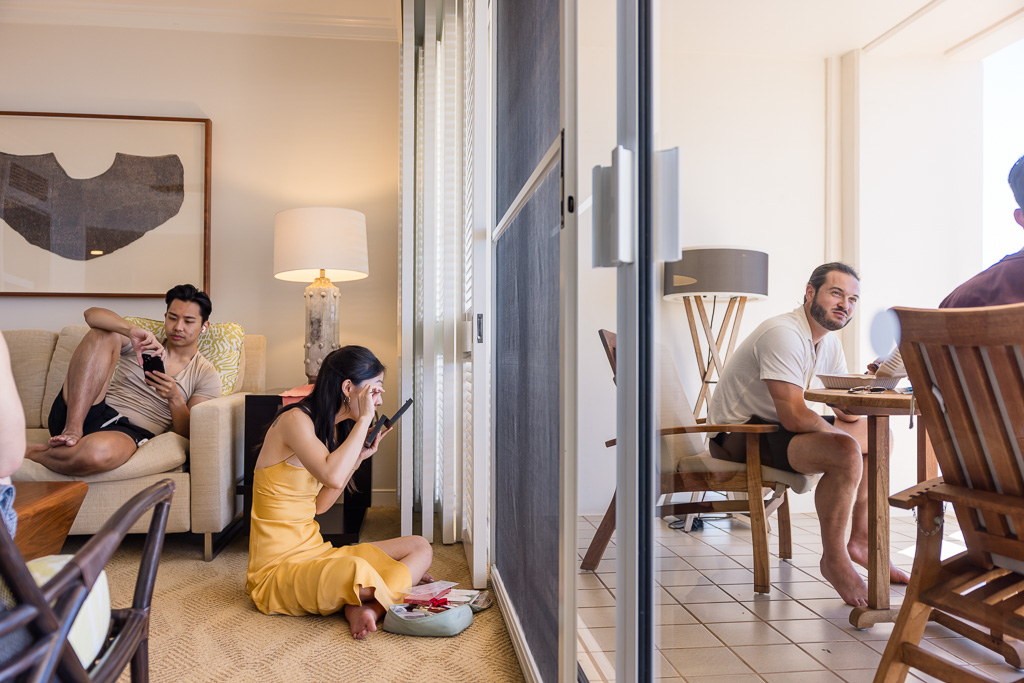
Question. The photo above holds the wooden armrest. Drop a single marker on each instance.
(736, 429)
(914, 496)
(705, 428)
(986, 501)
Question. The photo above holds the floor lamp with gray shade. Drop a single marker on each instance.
(714, 273)
(320, 244)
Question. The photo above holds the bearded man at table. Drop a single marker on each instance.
(764, 383)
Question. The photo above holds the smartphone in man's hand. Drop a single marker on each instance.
(152, 363)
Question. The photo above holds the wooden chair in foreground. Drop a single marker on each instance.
(687, 467)
(967, 369)
(35, 620)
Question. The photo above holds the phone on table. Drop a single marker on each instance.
(384, 421)
(152, 363)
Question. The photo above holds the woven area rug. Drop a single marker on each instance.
(204, 627)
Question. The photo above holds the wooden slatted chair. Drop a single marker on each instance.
(967, 370)
(35, 620)
(687, 467)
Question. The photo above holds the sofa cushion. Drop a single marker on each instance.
(160, 454)
(221, 344)
(68, 340)
(31, 351)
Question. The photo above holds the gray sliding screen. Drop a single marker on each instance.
(526, 324)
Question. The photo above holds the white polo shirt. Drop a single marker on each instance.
(780, 348)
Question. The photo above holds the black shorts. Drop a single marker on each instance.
(774, 445)
(100, 418)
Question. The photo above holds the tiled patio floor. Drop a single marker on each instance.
(712, 627)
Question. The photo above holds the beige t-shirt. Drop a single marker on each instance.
(781, 348)
(129, 394)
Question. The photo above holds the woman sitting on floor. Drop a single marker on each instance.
(308, 457)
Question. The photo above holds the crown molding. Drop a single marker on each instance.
(166, 17)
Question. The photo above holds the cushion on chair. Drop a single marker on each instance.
(31, 351)
(703, 462)
(160, 454)
(221, 344)
(90, 628)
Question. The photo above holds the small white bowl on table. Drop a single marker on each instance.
(851, 381)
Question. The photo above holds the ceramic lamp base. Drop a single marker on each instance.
(322, 326)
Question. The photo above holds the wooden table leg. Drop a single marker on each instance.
(878, 528)
(927, 466)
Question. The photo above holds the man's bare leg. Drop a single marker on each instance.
(858, 545)
(92, 454)
(838, 458)
(89, 372)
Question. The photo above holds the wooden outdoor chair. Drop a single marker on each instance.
(967, 370)
(687, 467)
(35, 620)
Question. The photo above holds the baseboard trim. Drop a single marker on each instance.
(384, 498)
(515, 629)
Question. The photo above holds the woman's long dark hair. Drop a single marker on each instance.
(355, 363)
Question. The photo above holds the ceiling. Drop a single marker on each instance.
(969, 29)
(344, 19)
(963, 29)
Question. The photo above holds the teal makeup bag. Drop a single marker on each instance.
(451, 622)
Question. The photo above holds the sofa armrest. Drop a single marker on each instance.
(215, 461)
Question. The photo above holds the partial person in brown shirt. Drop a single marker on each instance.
(1002, 283)
(109, 405)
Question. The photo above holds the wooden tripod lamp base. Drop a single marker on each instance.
(714, 273)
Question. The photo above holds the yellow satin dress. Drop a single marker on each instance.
(292, 570)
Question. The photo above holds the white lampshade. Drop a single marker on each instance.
(317, 238)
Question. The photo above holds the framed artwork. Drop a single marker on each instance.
(95, 205)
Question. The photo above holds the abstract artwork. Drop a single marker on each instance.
(102, 205)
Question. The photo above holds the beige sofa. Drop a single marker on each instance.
(205, 471)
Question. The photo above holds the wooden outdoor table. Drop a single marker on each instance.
(878, 407)
(46, 510)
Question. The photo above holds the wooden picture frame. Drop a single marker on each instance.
(103, 205)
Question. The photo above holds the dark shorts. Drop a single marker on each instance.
(774, 446)
(100, 418)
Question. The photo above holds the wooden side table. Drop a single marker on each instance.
(341, 524)
(46, 510)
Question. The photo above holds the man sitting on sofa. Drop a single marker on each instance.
(109, 406)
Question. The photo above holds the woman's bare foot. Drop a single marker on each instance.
(362, 619)
(66, 438)
(427, 578)
(859, 554)
(846, 581)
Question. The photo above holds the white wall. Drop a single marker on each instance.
(920, 197)
(296, 122)
(1003, 145)
(751, 133)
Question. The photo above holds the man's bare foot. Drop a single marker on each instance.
(64, 439)
(859, 554)
(362, 619)
(847, 582)
(427, 578)
(33, 451)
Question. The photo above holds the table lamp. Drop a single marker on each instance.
(715, 272)
(317, 245)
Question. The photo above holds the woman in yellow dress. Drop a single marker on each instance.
(309, 455)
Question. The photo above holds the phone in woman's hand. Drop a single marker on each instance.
(385, 422)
